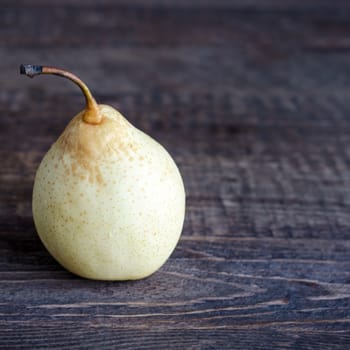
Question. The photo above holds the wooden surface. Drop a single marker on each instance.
(252, 99)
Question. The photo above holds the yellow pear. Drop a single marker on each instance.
(108, 200)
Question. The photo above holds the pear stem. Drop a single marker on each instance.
(92, 114)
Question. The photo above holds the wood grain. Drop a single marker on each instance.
(252, 100)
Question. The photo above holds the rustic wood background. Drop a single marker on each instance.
(252, 99)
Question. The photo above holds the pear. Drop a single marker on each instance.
(108, 200)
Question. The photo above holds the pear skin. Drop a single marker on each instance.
(108, 200)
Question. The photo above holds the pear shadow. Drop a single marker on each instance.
(24, 251)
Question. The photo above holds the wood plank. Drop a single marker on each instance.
(259, 26)
(252, 100)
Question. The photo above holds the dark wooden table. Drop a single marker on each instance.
(252, 98)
